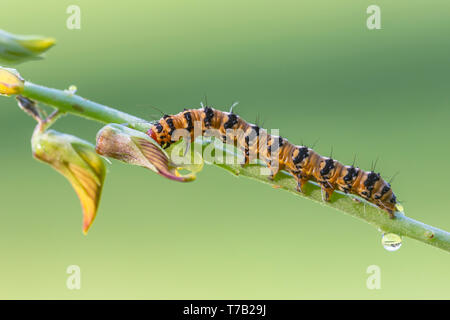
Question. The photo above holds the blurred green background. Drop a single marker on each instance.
(310, 68)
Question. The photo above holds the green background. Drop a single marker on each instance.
(311, 69)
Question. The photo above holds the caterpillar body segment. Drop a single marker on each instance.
(278, 153)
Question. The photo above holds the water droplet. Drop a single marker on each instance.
(391, 241)
(400, 209)
(72, 89)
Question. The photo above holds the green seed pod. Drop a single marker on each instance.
(10, 82)
(18, 48)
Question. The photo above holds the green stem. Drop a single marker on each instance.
(68, 102)
(401, 225)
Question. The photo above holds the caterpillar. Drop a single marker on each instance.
(302, 162)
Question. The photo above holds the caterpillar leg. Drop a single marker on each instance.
(246, 158)
(273, 172)
(327, 191)
(391, 214)
(388, 210)
(301, 182)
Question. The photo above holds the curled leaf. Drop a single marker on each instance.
(77, 160)
(134, 147)
(19, 48)
(10, 82)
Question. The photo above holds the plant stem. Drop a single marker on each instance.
(67, 102)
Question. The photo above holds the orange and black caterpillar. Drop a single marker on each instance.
(302, 162)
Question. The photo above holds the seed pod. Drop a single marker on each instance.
(18, 48)
(10, 82)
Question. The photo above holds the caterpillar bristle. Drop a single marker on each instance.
(157, 109)
(391, 179)
(233, 105)
(354, 160)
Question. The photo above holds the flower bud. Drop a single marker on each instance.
(18, 48)
(10, 82)
(77, 160)
(134, 147)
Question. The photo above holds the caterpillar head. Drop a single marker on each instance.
(347, 178)
(158, 132)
